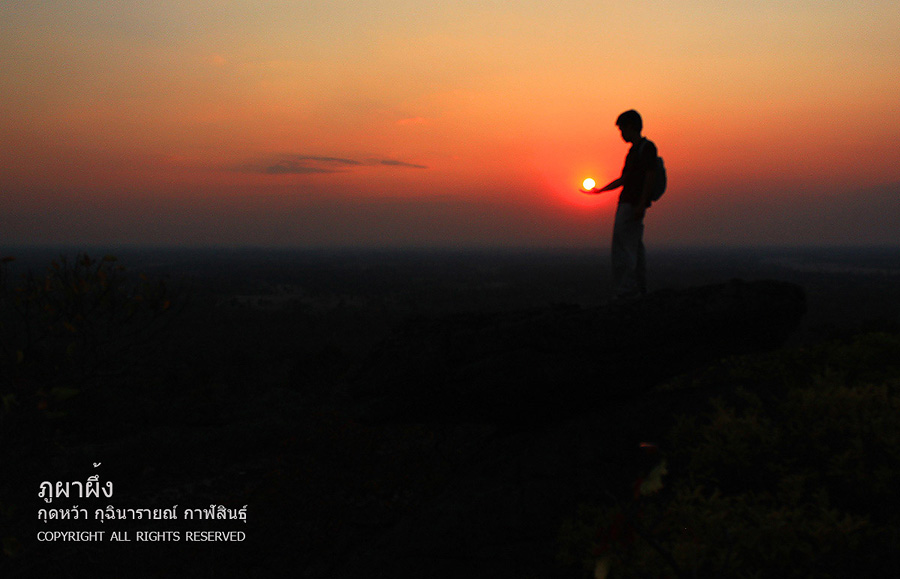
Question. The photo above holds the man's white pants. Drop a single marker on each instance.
(628, 261)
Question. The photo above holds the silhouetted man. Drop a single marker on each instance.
(638, 175)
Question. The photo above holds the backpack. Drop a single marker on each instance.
(659, 187)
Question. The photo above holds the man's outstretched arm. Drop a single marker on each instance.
(609, 187)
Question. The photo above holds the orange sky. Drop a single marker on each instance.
(468, 123)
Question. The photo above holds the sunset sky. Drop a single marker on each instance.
(448, 123)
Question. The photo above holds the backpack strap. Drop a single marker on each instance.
(644, 141)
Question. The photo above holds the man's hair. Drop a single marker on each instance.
(630, 119)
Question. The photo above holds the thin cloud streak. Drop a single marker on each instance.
(392, 163)
(317, 165)
(294, 168)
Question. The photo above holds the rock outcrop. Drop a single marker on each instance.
(562, 387)
(542, 365)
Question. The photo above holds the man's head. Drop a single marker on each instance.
(631, 125)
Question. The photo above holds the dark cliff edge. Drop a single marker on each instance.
(561, 390)
(539, 365)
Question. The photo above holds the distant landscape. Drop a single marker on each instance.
(244, 389)
(846, 285)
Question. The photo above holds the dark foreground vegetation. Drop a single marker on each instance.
(790, 470)
(394, 415)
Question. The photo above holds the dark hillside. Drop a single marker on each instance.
(403, 415)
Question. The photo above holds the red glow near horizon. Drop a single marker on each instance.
(508, 128)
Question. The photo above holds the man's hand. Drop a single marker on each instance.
(639, 211)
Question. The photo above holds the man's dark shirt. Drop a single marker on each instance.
(640, 158)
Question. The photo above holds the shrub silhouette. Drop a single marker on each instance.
(75, 323)
(791, 474)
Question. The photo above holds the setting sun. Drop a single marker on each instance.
(588, 184)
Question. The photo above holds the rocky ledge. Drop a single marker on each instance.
(537, 366)
(560, 390)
